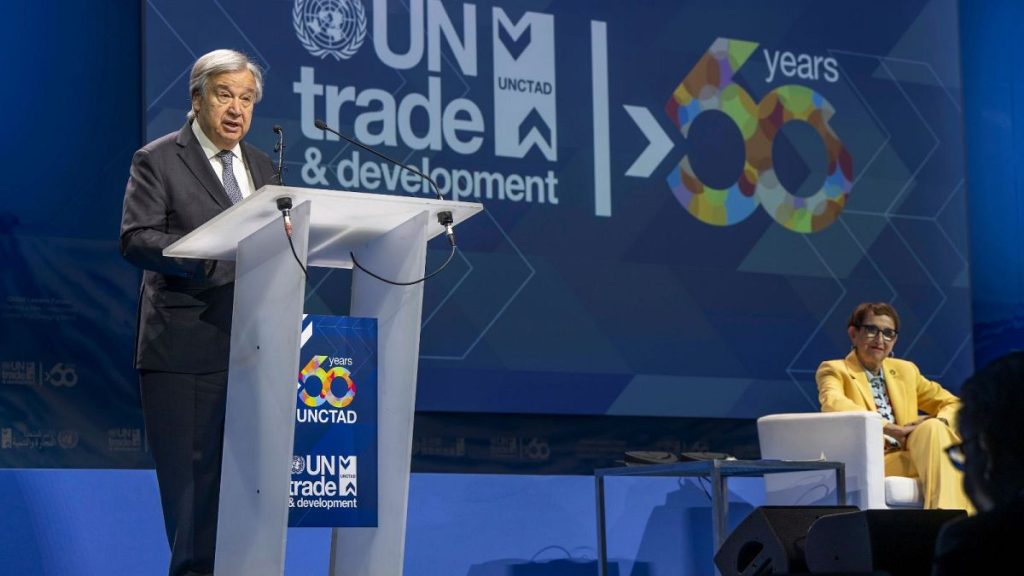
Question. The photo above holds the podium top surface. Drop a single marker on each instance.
(340, 222)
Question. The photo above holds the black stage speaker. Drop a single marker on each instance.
(900, 542)
(771, 540)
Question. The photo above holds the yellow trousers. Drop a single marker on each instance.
(924, 457)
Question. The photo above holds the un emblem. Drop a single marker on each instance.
(334, 27)
(298, 465)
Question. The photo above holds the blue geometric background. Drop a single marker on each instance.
(74, 104)
(550, 309)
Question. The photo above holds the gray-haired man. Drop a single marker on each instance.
(177, 183)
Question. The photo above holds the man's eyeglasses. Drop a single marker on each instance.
(872, 331)
(956, 455)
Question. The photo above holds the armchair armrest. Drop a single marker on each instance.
(854, 438)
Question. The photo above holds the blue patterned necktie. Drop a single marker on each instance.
(230, 183)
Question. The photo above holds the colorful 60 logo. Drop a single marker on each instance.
(709, 86)
(313, 378)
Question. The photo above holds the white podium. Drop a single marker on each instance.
(388, 235)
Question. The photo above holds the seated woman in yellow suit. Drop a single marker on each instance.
(870, 379)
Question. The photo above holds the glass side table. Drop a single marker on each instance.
(718, 472)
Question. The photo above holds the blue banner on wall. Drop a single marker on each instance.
(68, 391)
(688, 197)
(683, 199)
(334, 468)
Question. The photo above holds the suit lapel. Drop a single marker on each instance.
(259, 179)
(195, 160)
(897, 392)
(859, 376)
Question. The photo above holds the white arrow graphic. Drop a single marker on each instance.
(659, 144)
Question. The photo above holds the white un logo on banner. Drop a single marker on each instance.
(330, 27)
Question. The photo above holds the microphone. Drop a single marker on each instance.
(321, 125)
(284, 204)
(444, 218)
(279, 148)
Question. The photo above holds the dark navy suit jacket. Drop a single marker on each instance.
(184, 316)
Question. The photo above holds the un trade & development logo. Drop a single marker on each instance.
(330, 27)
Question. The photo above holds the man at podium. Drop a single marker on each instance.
(176, 183)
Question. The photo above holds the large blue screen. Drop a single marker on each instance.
(683, 200)
(682, 203)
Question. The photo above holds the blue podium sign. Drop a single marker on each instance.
(334, 467)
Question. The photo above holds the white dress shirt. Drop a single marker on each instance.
(245, 183)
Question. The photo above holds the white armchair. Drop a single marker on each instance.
(854, 438)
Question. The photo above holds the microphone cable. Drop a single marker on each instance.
(284, 204)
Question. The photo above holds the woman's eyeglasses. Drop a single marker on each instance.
(872, 331)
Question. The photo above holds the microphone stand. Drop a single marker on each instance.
(284, 203)
(279, 148)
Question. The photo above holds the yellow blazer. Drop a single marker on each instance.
(843, 386)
